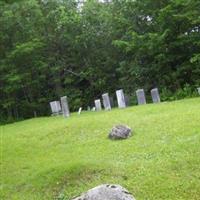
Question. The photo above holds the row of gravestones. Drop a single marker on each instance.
(62, 107)
(121, 100)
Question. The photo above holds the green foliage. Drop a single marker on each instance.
(54, 48)
(57, 158)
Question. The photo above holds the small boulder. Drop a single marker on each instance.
(120, 132)
(106, 192)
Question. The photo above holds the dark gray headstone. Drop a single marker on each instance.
(106, 192)
(155, 95)
(65, 106)
(140, 97)
(106, 101)
(111, 102)
(127, 100)
(55, 107)
(120, 132)
(97, 104)
(120, 99)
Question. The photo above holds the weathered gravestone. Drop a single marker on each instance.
(140, 97)
(106, 192)
(120, 99)
(111, 102)
(97, 104)
(155, 95)
(88, 108)
(65, 106)
(55, 107)
(127, 100)
(106, 101)
(198, 89)
(120, 132)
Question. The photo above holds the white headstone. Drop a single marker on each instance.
(120, 99)
(79, 110)
(55, 107)
(198, 89)
(155, 95)
(65, 106)
(97, 104)
(106, 101)
(140, 97)
(93, 109)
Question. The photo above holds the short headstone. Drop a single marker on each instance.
(155, 95)
(140, 97)
(55, 107)
(65, 106)
(106, 192)
(120, 99)
(79, 110)
(198, 89)
(97, 104)
(93, 109)
(120, 132)
(88, 108)
(106, 101)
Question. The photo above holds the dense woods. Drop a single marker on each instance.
(51, 48)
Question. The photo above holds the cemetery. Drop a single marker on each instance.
(100, 100)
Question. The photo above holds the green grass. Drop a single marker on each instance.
(51, 157)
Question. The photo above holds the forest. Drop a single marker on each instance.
(52, 48)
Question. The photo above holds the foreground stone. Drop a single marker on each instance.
(106, 192)
(120, 132)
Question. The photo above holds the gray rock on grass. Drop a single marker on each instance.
(120, 132)
(106, 192)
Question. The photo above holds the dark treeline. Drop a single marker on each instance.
(51, 48)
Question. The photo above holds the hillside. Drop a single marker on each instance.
(53, 157)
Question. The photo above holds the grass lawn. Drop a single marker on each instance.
(57, 158)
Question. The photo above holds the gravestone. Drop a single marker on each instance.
(127, 100)
(120, 99)
(198, 89)
(88, 108)
(140, 97)
(55, 107)
(106, 192)
(93, 109)
(97, 104)
(111, 102)
(79, 110)
(120, 132)
(155, 95)
(65, 106)
(106, 101)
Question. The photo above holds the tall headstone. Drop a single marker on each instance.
(97, 104)
(155, 95)
(106, 101)
(127, 100)
(111, 102)
(198, 89)
(140, 97)
(65, 106)
(55, 107)
(120, 99)
(79, 110)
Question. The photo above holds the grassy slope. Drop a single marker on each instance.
(47, 157)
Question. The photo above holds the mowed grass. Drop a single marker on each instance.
(57, 158)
